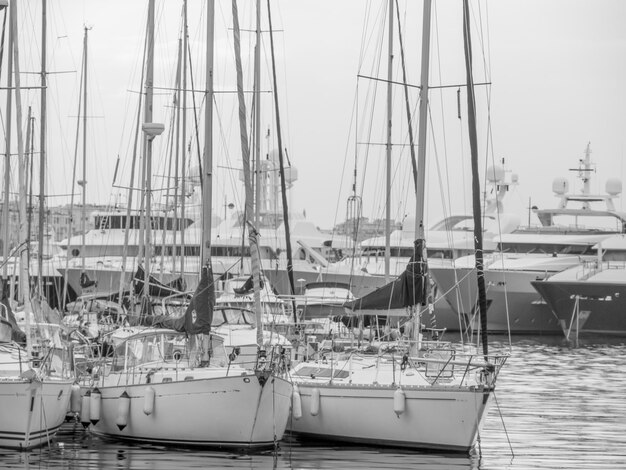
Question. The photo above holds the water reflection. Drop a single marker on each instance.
(558, 406)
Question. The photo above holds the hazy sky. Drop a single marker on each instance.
(557, 71)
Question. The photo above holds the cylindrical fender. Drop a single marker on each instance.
(315, 401)
(399, 402)
(95, 404)
(84, 409)
(123, 411)
(148, 400)
(296, 403)
(75, 399)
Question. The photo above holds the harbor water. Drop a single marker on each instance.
(556, 407)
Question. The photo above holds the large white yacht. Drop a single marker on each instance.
(590, 298)
(564, 238)
(175, 246)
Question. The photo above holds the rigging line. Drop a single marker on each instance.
(374, 93)
(503, 425)
(446, 201)
(450, 241)
(482, 42)
(177, 151)
(71, 207)
(384, 80)
(406, 98)
(364, 29)
(282, 168)
(171, 142)
(345, 160)
(129, 198)
(225, 148)
(286, 99)
(195, 114)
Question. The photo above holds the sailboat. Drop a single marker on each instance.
(36, 381)
(173, 382)
(35, 389)
(411, 393)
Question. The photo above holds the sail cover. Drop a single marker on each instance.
(17, 334)
(199, 314)
(410, 288)
(157, 288)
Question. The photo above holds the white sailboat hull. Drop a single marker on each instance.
(235, 411)
(31, 412)
(444, 418)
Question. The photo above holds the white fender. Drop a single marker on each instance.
(75, 399)
(399, 402)
(95, 403)
(148, 400)
(84, 409)
(296, 403)
(123, 411)
(315, 401)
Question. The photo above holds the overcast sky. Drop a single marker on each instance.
(556, 70)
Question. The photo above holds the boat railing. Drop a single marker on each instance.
(439, 361)
(44, 362)
(592, 267)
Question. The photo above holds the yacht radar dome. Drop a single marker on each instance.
(560, 186)
(613, 186)
(495, 174)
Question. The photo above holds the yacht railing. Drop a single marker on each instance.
(592, 267)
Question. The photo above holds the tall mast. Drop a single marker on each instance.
(256, 274)
(257, 117)
(245, 152)
(207, 175)
(184, 134)
(423, 118)
(7, 155)
(83, 211)
(24, 297)
(42, 144)
(147, 128)
(421, 151)
(478, 231)
(177, 153)
(388, 175)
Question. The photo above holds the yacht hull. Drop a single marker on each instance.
(601, 306)
(434, 418)
(232, 412)
(31, 412)
(513, 304)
